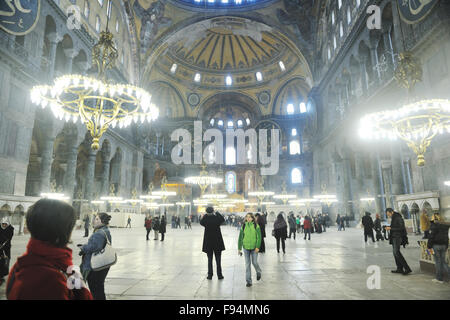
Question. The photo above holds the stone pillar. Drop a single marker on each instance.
(359, 166)
(374, 59)
(70, 55)
(378, 188)
(348, 204)
(364, 80)
(398, 39)
(408, 177)
(69, 177)
(89, 178)
(105, 177)
(388, 46)
(46, 163)
(398, 182)
(54, 39)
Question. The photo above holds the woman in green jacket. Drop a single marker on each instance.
(250, 240)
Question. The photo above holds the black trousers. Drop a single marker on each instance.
(400, 261)
(291, 231)
(324, 227)
(148, 232)
(308, 232)
(262, 248)
(162, 236)
(369, 234)
(86, 232)
(96, 282)
(218, 255)
(283, 244)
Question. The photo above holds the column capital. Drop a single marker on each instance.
(71, 53)
(54, 37)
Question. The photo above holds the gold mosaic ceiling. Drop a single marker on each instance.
(222, 50)
(229, 46)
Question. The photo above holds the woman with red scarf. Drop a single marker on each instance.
(45, 271)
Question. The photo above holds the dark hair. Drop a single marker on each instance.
(104, 217)
(51, 221)
(390, 210)
(209, 210)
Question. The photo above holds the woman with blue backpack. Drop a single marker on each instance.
(250, 240)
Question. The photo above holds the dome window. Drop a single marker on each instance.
(197, 77)
(229, 81)
(282, 67)
(259, 76)
(174, 68)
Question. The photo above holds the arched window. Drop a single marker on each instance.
(290, 108)
(294, 147)
(97, 24)
(230, 178)
(86, 9)
(296, 176)
(230, 156)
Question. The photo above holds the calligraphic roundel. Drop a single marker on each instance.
(19, 17)
(413, 11)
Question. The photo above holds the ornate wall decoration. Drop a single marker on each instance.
(19, 17)
(413, 11)
(264, 98)
(193, 99)
(152, 20)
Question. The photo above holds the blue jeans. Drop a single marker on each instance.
(251, 257)
(439, 259)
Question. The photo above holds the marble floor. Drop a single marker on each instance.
(333, 265)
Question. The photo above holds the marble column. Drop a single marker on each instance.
(46, 163)
(348, 198)
(105, 177)
(398, 39)
(388, 46)
(89, 178)
(359, 168)
(364, 80)
(70, 55)
(398, 181)
(408, 176)
(378, 187)
(54, 39)
(374, 59)
(69, 176)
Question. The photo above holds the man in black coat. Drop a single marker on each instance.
(87, 221)
(6, 234)
(155, 227)
(212, 240)
(368, 227)
(398, 232)
(162, 227)
(291, 221)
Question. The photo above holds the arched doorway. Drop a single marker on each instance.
(415, 216)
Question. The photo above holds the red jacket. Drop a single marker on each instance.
(40, 274)
(307, 224)
(148, 223)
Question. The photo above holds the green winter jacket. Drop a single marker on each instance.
(249, 237)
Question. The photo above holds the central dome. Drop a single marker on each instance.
(250, 52)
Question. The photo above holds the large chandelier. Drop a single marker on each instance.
(203, 180)
(416, 123)
(95, 100)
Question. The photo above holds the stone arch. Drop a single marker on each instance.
(167, 97)
(364, 57)
(80, 62)
(294, 91)
(236, 99)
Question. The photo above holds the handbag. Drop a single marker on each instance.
(105, 258)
